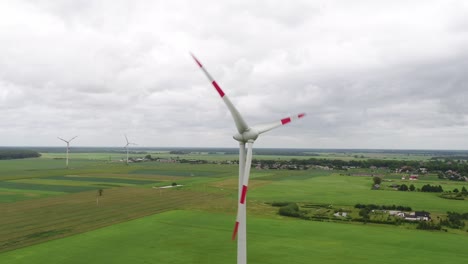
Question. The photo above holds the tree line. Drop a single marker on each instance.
(455, 220)
(6, 154)
(411, 165)
(383, 207)
(431, 188)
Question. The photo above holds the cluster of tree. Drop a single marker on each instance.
(431, 188)
(451, 175)
(405, 188)
(290, 209)
(193, 161)
(279, 204)
(426, 225)
(377, 180)
(18, 154)
(388, 221)
(383, 207)
(409, 165)
(458, 158)
(456, 178)
(455, 220)
(365, 214)
(339, 164)
(455, 194)
(179, 152)
(463, 191)
(275, 152)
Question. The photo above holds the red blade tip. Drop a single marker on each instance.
(196, 60)
(286, 120)
(216, 86)
(234, 234)
(244, 193)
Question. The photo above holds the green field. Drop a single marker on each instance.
(43, 187)
(14, 195)
(198, 237)
(99, 179)
(347, 190)
(46, 208)
(28, 222)
(112, 156)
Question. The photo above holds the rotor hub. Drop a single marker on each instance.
(249, 135)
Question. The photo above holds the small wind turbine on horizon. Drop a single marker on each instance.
(246, 135)
(128, 144)
(68, 146)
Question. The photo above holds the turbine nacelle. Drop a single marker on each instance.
(250, 135)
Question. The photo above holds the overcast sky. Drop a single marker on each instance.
(369, 74)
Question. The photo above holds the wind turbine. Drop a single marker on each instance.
(128, 144)
(246, 136)
(68, 145)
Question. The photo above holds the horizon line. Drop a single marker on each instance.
(284, 148)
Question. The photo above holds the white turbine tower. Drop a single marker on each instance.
(246, 135)
(128, 144)
(68, 146)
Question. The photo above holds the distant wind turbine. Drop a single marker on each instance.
(68, 146)
(246, 135)
(128, 144)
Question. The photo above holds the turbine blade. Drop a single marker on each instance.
(241, 180)
(126, 139)
(241, 208)
(267, 127)
(63, 140)
(248, 163)
(240, 123)
(236, 227)
(72, 139)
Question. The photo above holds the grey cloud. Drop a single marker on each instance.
(368, 74)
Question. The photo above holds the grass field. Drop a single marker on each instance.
(365, 156)
(74, 213)
(45, 207)
(200, 237)
(347, 190)
(9, 195)
(113, 156)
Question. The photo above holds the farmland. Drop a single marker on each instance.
(74, 213)
(170, 238)
(44, 206)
